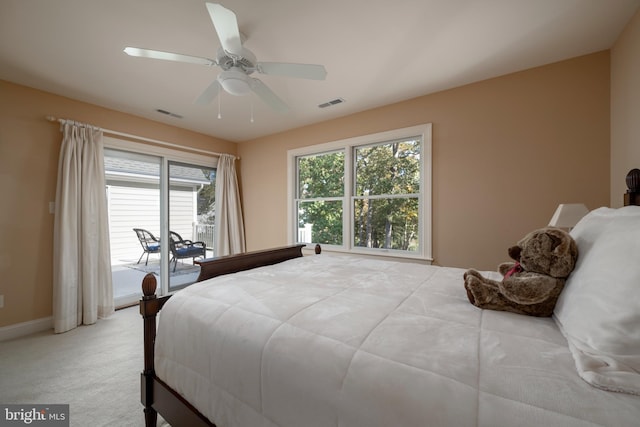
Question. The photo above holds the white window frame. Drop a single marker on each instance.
(422, 131)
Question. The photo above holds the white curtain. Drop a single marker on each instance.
(82, 287)
(229, 224)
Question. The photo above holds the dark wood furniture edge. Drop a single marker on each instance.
(632, 196)
(156, 396)
(173, 408)
(213, 267)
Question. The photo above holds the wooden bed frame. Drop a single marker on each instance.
(158, 397)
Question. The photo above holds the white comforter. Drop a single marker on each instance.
(344, 341)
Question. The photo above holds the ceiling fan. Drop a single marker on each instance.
(237, 63)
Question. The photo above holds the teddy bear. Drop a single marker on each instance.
(532, 284)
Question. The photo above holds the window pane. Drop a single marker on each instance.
(133, 194)
(388, 168)
(191, 220)
(386, 223)
(320, 222)
(321, 175)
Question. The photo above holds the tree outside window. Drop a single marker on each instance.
(320, 196)
(387, 190)
(382, 207)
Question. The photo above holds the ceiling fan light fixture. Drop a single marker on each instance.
(235, 82)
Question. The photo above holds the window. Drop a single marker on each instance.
(387, 192)
(368, 194)
(320, 198)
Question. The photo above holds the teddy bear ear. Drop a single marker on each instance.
(564, 250)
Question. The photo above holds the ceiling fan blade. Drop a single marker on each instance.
(226, 25)
(167, 56)
(267, 95)
(301, 71)
(209, 94)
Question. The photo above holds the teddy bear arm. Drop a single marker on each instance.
(528, 290)
(505, 266)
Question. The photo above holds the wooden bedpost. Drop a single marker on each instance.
(632, 196)
(149, 307)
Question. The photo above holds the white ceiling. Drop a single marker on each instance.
(376, 52)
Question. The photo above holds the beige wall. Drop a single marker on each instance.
(29, 147)
(625, 108)
(506, 152)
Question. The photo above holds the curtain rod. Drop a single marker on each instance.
(142, 138)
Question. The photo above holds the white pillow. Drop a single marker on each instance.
(599, 308)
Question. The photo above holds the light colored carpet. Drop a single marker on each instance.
(95, 369)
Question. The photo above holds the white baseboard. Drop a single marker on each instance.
(25, 328)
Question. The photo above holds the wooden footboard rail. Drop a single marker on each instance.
(212, 267)
(156, 396)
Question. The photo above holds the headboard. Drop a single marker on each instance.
(632, 196)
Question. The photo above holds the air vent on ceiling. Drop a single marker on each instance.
(169, 113)
(332, 102)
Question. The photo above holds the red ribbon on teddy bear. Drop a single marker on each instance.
(517, 268)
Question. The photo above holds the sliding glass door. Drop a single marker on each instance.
(161, 216)
(191, 220)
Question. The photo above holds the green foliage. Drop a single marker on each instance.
(389, 169)
(326, 217)
(322, 176)
(390, 223)
(387, 184)
(207, 199)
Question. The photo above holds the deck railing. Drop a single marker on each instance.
(305, 234)
(204, 233)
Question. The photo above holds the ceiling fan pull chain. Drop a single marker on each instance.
(219, 114)
(251, 99)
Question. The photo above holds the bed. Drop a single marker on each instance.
(274, 338)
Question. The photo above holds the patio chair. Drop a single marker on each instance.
(150, 244)
(181, 249)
